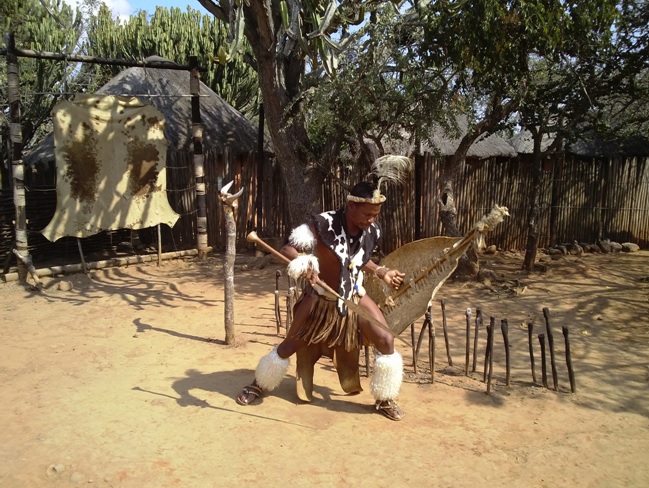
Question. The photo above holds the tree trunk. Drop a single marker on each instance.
(535, 203)
(468, 265)
(280, 80)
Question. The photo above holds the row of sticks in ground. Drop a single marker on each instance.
(546, 352)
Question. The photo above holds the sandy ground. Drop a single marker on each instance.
(124, 381)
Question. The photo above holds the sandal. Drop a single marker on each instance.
(390, 409)
(249, 394)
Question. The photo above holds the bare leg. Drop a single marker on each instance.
(273, 366)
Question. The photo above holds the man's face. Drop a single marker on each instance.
(362, 215)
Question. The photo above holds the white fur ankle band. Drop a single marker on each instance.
(387, 376)
(271, 370)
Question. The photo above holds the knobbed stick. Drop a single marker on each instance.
(414, 354)
(504, 327)
(530, 331)
(468, 339)
(448, 348)
(492, 326)
(548, 327)
(476, 331)
(278, 313)
(431, 345)
(427, 317)
(487, 353)
(571, 374)
(544, 371)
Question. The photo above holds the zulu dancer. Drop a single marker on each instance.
(335, 247)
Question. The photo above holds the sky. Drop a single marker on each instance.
(124, 8)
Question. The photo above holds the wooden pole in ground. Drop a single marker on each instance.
(544, 371)
(487, 353)
(548, 327)
(530, 331)
(468, 340)
(159, 245)
(414, 353)
(476, 331)
(492, 326)
(504, 327)
(83, 259)
(448, 348)
(278, 312)
(571, 374)
(427, 317)
(431, 344)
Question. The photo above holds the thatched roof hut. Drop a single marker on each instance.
(587, 147)
(168, 90)
(487, 145)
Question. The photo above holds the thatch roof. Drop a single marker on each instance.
(487, 146)
(587, 147)
(524, 144)
(223, 126)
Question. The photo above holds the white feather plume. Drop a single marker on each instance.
(391, 169)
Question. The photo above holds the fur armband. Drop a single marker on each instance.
(299, 266)
(302, 239)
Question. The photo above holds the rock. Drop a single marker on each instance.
(562, 248)
(604, 245)
(630, 247)
(586, 247)
(554, 252)
(615, 246)
(575, 249)
(491, 250)
(55, 469)
(65, 285)
(77, 478)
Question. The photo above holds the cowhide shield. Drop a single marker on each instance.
(427, 264)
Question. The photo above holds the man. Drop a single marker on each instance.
(335, 247)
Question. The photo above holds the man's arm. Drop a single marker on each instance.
(392, 277)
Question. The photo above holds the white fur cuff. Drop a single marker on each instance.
(302, 239)
(271, 370)
(387, 376)
(298, 267)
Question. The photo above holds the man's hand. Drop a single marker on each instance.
(394, 278)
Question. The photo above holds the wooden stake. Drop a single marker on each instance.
(487, 353)
(83, 260)
(159, 245)
(530, 330)
(468, 340)
(491, 352)
(278, 313)
(544, 374)
(431, 345)
(414, 353)
(478, 323)
(571, 374)
(548, 327)
(448, 348)
(504, 327)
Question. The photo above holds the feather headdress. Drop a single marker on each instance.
(387, 169)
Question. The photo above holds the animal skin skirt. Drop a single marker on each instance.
(325, 325)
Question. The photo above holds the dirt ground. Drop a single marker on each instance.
(125, 381)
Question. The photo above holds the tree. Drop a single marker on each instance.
(292, 41)
(175, 35)
(50, 25)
